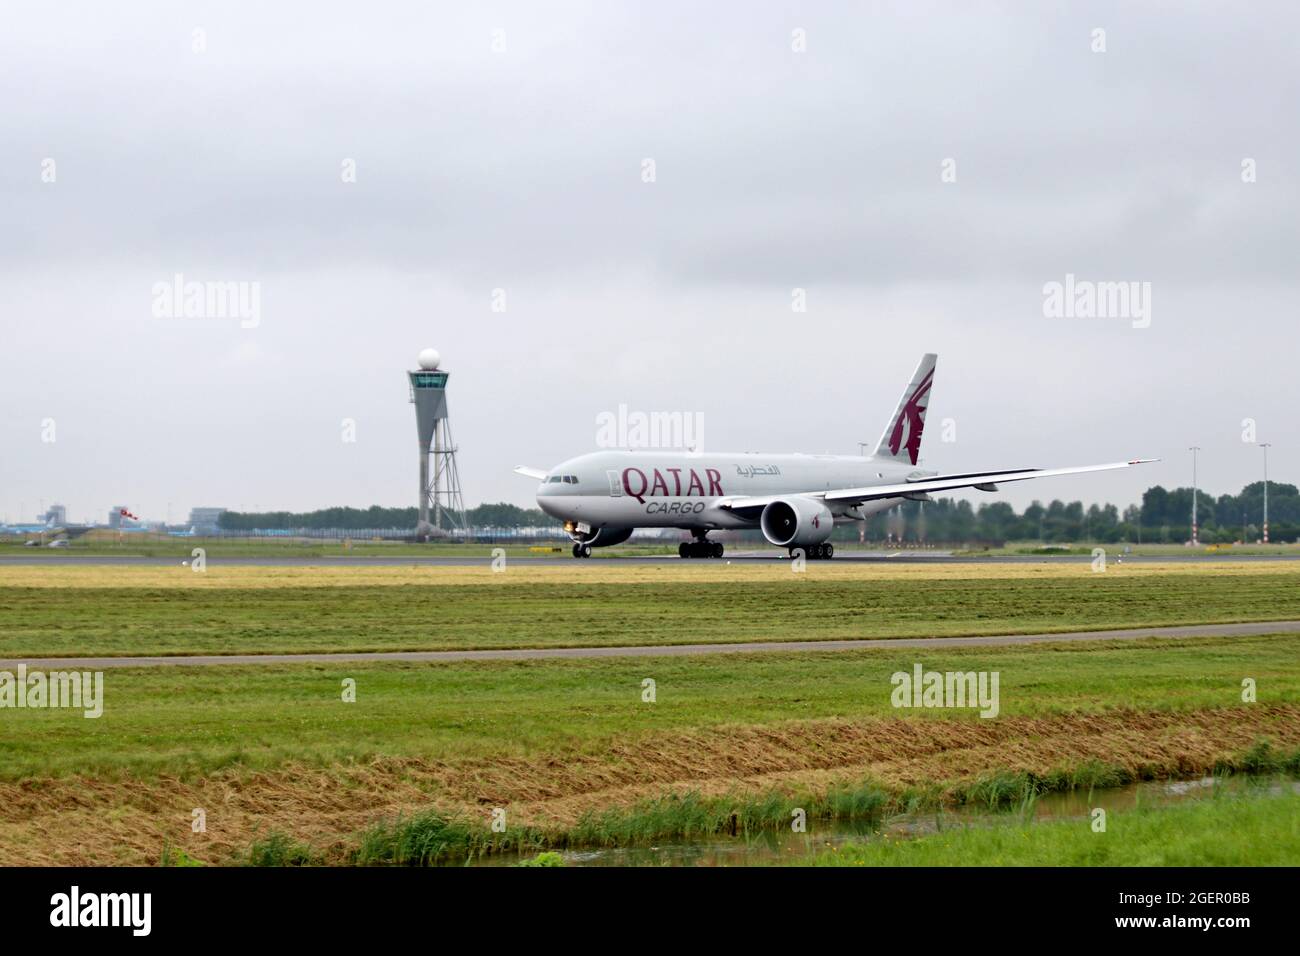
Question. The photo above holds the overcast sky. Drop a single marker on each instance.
(503, 146)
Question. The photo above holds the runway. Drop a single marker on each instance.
(747, 557)
(668, 650)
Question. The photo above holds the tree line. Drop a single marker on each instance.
(1164, 516)
(499, 515)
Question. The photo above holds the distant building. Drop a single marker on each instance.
(206, 520)
(56, 517)
(115, 516)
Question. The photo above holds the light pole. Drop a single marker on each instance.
(862, 525)
(1265, 445)
(1194, 449)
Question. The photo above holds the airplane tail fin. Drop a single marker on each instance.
(902, 438)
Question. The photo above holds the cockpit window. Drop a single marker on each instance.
(554, 479)
(570, 479)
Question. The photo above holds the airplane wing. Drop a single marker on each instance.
(527, 472)
(746, 505)
(985, 481)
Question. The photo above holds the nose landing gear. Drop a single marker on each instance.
(582, 550)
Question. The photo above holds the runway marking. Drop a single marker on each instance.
(666, 650)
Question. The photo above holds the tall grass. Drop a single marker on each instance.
(1251, 828)
(278, 850)
(434, 838)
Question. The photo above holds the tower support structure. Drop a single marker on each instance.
(441, 505)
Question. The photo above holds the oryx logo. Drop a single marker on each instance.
(913, 414)
(103, 909)
(817, 521)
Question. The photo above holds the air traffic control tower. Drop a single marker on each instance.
(442, 510)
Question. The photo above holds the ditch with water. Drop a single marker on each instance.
(773, 846)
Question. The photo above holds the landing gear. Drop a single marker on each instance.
(700, 548)
(816, 552)
(582, 550)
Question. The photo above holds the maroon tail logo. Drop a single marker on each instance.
(911, 415)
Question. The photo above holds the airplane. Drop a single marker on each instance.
(795, 500)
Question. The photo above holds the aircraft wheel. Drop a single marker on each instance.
(683, 550)
(717, 549)
(830, 550)
(577, 550)
(586, 551)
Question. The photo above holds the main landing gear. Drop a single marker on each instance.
(582, 550)
(700, 548)
(816, 552)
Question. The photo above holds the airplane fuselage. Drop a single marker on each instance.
(656, 489)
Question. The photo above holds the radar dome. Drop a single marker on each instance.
(430, 359)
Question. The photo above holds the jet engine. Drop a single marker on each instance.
(796, 522)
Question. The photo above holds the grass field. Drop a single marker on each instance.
(1241, 830)
(155, 546)
(78, 610)
(560, 744)
(1256, 549)
(285, 770)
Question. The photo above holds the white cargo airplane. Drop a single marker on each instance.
(795, 500)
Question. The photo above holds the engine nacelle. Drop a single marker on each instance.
(600, 537)
(796, 522)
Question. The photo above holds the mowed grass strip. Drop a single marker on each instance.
(183, 721)
(73, 610)
(275, 749)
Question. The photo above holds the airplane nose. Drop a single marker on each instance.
(551, 504)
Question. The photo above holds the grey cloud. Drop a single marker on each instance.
(521, 170)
